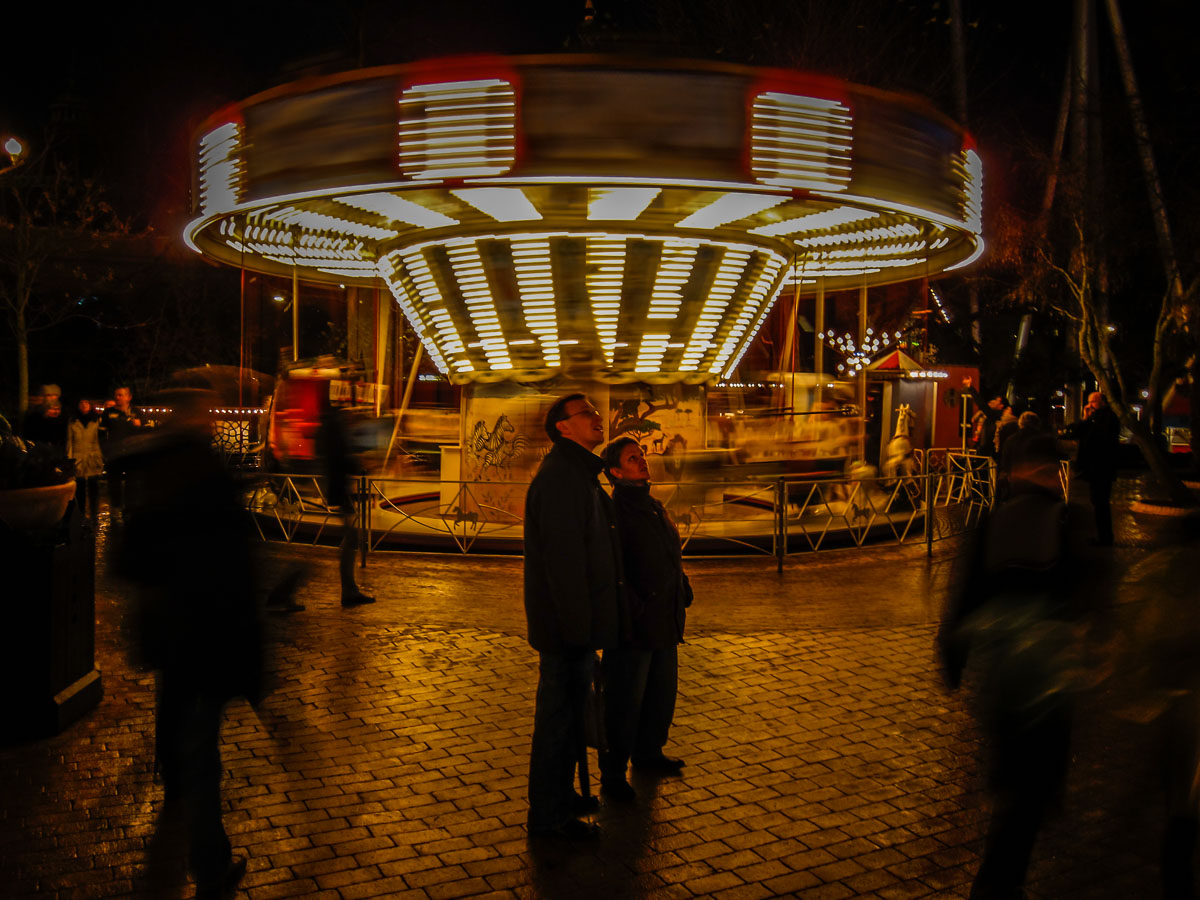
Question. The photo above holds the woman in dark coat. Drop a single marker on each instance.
(640, 677)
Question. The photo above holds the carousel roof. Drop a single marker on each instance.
(536, 214)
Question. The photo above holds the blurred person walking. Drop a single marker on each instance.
(45, 423)
(1017, 608)
(1099, 443)
(573, 607)
(83, 446)
(119, 423)
(340, 468)
(186, 545)
(641, 676)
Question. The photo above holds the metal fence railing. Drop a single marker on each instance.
(943, 496)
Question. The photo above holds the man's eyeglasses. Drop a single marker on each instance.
(590, 411)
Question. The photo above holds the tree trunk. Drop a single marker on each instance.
(1093, 349)
(21, 333)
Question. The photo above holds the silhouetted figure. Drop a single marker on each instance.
(1015, 610)
(186, 545)
(641, 676)
(83, 446)
(572, 607)
(1099, 444)
(340, 467)
(1026, 446)
(45, 422)
(119, 424)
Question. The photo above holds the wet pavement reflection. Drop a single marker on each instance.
(824, 756)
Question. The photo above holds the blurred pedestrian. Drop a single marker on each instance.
(1096, 461)
(119, 424)
(341, 468)
(641, 675)
(1006, 427)
(186, 544)
(45, 422)
(1017, 608)
(572, 607)
(83, 446)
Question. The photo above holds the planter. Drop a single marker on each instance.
(29, 509)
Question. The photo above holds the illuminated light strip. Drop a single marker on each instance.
(457, 129)
(970, 259)
(535, 282)
(674, 271)
(320, 222)
(472, 284)
(620, 180)
(624, 204)
(801, 142)
(606, 256)
(606, 259)
(220, 166)
(762, 285)
(502, 204)
(725, 282)
(397, 209)
(973, 192)
(829, 218)
(893, 206)
(754, 333)
(728, 208)
(902, 230)
(419, 323)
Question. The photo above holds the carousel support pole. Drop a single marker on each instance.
(929, 496)
(781, 500)
(819, 341)
(862, 373)
(412, 377)
(295, 313)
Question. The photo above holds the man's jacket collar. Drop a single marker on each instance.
(580, 456)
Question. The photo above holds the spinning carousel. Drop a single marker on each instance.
(618, 226)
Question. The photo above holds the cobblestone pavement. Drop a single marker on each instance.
(824, 757)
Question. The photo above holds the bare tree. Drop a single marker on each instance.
(55, 230)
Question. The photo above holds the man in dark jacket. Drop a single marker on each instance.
(119, 423)
(1099, 440)
(572, 606)
(641, 676)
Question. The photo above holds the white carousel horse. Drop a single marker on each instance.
(900, 462)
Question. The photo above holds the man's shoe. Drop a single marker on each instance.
(225, 885)
(570, 830)
(358, 598)
(581, 806)
(660, 765)
(618, 791)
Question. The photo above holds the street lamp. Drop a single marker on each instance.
(16, 151)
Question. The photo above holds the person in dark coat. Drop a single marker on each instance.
(119, 424)
(340, 467)
(641, 676)
(1019, 609)
(1096, 461)
(186, 544)
(573, 606)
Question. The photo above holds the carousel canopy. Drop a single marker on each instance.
(532, 215)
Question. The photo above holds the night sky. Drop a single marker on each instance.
(139, 83)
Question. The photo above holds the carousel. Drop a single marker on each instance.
(617, 226)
